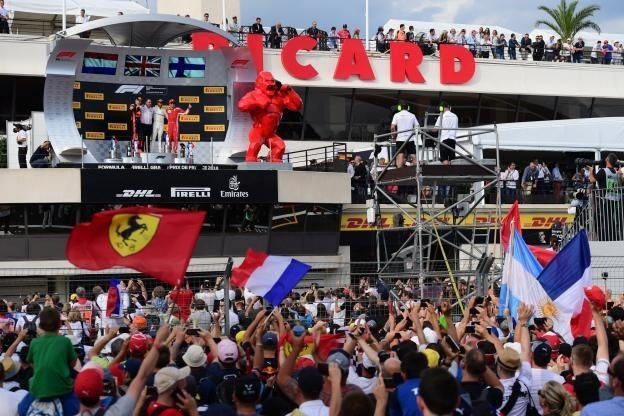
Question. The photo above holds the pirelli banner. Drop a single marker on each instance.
(103, 110)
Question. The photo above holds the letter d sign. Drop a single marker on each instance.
(448, 55)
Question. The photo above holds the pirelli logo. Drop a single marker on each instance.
(78, 125)
(94, 96)
(189, 118)
(214, 127)
(117, 126)
(76, 105)
(76, 85)
(94, 116)
(117, 107)
(95, 135)
(188, 99)
(214, 90)
(189, 137)
(214, 109)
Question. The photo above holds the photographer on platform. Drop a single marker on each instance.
(609, 200)
(22, 145)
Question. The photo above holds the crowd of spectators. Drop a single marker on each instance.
(323, 351)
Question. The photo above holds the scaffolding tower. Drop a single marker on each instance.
(441, 237)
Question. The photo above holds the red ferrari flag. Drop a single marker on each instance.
(155, 241)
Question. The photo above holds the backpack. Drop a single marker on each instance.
(30, 326)
(516, 392)
(45, 408)
(478, 407)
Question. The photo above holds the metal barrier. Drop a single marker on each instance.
(601, 214)
(325, 158)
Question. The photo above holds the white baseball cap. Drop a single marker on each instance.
(167, 377)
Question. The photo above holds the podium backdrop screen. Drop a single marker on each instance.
(102, 110)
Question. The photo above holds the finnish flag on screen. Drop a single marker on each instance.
(186, 67)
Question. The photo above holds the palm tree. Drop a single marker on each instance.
(567, 21)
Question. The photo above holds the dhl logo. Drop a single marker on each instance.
(188, 99)
(214, 109)
(189, 118)
(76, 105)
(117, 126)
(214, 127)
(189, 137)
(94, 96)
(96, 135)
(76, 85)
(117, 107)
(94, 116)
(358, 222)
(214, 90)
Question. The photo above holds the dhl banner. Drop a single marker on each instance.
(530, 221)
(102, 110)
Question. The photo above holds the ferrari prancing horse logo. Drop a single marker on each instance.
(131, 233)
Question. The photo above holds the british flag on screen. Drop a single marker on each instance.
(142, 66)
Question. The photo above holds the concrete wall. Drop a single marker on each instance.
(32, 186)
(313, 187)
(23, 56)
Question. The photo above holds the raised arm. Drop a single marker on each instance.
(101, 343)
(285, 381)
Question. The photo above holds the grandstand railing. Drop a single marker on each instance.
(331, 158)
(600, 212)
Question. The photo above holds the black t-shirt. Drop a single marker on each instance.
(601, 177)
(474, 389)
(360, 171)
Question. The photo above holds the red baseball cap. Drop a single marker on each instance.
(138, 345)
(596, 296)
(89, 384)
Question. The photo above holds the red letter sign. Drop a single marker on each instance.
(353, 61)
(255, 44)
(289, 57)
(405, 57)
(448, 55)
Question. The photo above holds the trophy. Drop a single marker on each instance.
(182, 151)
(114, 147)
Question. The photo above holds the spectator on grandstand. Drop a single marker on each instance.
(4, 19)
(509, 180)
(234, 26)
(607, 52)
(485, 46)
(472, 41)
(401, 34)
(200, 317)
(566, 50)
(276, 34)
(344, 34)
(356, 33)
(550, 49)
(578, 50)
(512, 47)
(83, 18)
(381, 43)
(617, 53)
(410, 36)
(257, 28)
(313, 31)
(332, 38)
(525, 46)
(596, 53)
(538, 48)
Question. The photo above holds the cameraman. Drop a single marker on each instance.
(22, 145)
(609, 200)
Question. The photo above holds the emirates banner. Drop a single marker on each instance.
(104, 110)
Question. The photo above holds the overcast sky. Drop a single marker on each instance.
(519, 16)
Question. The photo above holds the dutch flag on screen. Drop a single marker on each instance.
(99, 63)
(271, 277)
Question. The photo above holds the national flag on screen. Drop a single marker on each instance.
(186, 67)
(113, 300)
(271, 277)
(99, 63)
(155, 241)
(142, 66)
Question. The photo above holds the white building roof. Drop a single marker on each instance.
(422, 26)
(589, 37)
(587, 134)
(92, 7)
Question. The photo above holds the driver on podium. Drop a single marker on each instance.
(173, 131)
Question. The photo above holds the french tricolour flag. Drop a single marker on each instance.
(271, 277)
(113, 301)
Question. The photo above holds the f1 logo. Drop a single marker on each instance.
(134, 89)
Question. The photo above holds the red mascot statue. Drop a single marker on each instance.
(265, 105)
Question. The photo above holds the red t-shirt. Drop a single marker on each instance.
(169, 411)
(182, 298)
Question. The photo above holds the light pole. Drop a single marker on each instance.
(366, 17)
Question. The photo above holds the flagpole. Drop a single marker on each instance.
(64, 17)
(507, 257)
(366, 17)
(226, 294)
(224, 18)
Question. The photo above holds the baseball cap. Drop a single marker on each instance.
(194, 356)
(235, 329)
(552, 339)
(240, 335)
(248, 389)
(310, 381)
(433, 357)
(596, 296)
(509, 359)
(138, 345)
(89, 383)
(167, 377)
(542, 351)
(341, 358)
(269, 339)
(132, 366)
(11, 368)
(140, 322)
(227, 351)
(430, 336)
(305, 361)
